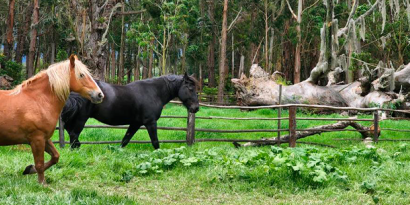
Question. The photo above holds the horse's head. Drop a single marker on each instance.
(81, 81)
(187, 93)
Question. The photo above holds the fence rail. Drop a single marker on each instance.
(292, 120)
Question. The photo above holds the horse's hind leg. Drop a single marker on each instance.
(152, 131)
(132, 129)
(37, 147)
(52, 151)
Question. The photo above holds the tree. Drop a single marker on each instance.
(8, 46)
(23, 31)
(122, 47)
(90, 31)
(33, 38)
(211, 46)
(222, 56)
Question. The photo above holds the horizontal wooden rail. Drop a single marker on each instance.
(334, 119)
(355, 139)
(197, 140)
(265, 118)
(396, 130)
(299, 106)
(184, 129)
(226, 118)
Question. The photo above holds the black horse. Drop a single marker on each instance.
(136, 104)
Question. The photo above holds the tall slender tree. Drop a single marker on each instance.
(8, 46)
(222, 57)
(211, 46)
(33, 38)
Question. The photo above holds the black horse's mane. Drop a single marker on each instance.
(174, 80)
(73, 104)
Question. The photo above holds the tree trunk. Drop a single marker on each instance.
(121, 64)
(183, 59)
(137, 67)
(222, 57)
(23, 32)
(113, 62)
(32, 49)
(262, 89)
(8, 46)
(296, 77)
(145, 68)
(241, 66)
(233, 58)
(37, 56)
(287, 49)
(270, 60)
(95, 42)
(130, 65)
(211, 47)
(267, 66)
(164, 50)
(151, 58)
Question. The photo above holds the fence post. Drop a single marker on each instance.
(292, 126)
(279, 113)
(190, 132)
(61, 132)
(376, 126)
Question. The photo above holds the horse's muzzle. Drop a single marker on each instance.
(194, 109)
(97, 97)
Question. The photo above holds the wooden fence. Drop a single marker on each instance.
(292, 119)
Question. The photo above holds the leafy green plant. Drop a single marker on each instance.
(12, 69)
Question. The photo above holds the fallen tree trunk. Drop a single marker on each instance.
(262, 89)
(364, 131)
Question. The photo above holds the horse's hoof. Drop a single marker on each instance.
(75, 146)
(29, 170)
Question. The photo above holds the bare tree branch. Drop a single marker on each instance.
(104, 39)
(310, 6)
(234, 21)
(291, 11)
(343, 31)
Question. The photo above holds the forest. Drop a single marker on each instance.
(329, 42)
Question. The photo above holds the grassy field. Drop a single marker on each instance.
(216, 173)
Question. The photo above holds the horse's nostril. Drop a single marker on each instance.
(100, 95)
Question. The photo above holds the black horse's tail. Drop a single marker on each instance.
(72, 106)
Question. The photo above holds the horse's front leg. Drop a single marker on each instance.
(74, 131)
(132, 129)
(74, 141)
(152, 131)
(37, 144)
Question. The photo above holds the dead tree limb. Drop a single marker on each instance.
(364, 131)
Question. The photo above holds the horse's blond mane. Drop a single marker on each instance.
(58, 76)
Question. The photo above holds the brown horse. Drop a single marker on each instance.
(29, 113)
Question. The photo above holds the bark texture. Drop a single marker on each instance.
(8, 46)
(33, 38)
(222, 58)
(261, 89)
(364, 131)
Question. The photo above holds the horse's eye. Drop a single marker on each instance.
(81, 75)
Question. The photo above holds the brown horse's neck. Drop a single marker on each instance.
(39, 88)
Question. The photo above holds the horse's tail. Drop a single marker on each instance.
(72, 107)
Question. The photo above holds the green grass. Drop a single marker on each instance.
(104, 174)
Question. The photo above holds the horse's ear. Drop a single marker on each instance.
(186, 77)
(72, 60)
(192, 76)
